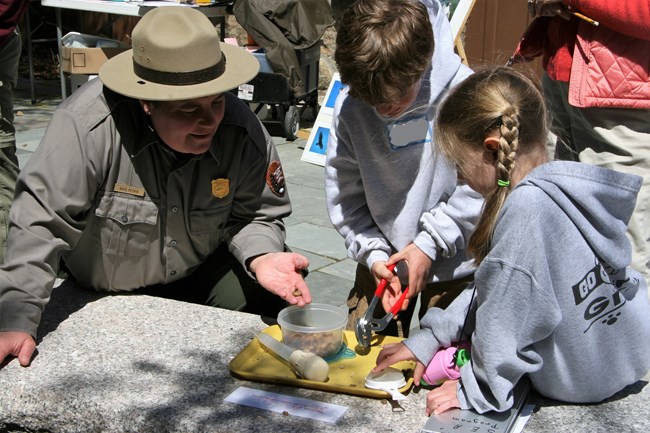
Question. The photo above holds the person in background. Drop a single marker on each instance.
(554, 297)
(11, 11)
(597, 84)
(387, 193)
(156, 179)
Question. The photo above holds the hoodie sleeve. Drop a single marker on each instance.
(440, 328)
(346, 198)
(446, 228)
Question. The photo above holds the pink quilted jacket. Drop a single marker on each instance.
(606, 65)
(609, 69)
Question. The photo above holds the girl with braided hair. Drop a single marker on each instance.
(554, 298)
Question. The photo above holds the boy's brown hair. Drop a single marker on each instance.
(382, 48)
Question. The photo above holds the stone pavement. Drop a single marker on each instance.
(309, 230)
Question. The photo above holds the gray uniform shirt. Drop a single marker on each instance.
(124, 211)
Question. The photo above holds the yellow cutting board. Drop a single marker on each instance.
(346, 375)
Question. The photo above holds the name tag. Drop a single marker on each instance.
(128, 189)
(405, 132)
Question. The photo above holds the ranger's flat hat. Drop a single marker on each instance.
(177, 55)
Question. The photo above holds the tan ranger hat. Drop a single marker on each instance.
(177, 55)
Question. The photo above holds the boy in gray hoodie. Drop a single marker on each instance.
(386, 190)
(554, 297)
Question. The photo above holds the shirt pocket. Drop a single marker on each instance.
(207, 228)
(125, 226)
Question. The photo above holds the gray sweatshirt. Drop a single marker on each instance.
(555, 298)
(385, 186)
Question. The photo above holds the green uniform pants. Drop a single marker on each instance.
(221, 281)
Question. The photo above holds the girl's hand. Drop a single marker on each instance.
(443, 398)
(392, 354)
(395, 352)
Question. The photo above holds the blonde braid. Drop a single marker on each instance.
(481, 240)
(508, 145)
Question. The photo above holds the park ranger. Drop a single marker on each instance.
(153, 178)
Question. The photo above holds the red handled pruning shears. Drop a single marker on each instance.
(366, 324)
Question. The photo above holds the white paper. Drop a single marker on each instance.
(294, 406)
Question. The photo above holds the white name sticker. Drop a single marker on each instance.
(405, 132)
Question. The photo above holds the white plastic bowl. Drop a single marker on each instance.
(315, 328)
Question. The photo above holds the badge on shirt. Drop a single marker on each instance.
(275, 178)
(129, 189)
(220, 187)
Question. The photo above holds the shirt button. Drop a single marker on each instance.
(125, 219)
(173, 243)
(172, 273)
(174, 209)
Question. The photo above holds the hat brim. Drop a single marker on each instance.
(117, 74)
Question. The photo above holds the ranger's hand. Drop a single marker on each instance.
(19, 344)
(280, 273)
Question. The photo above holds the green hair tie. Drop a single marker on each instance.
(503, 182)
